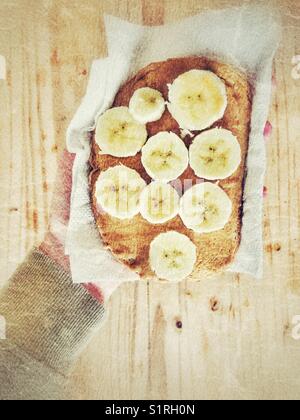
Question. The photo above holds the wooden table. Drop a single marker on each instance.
(236, 337)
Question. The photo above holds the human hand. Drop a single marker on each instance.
(54, 243)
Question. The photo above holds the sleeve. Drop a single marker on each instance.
(49, 321)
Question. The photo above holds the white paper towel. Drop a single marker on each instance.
(246, 37)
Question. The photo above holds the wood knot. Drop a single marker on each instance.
(276, 247)
(214, 304)
(179, 325)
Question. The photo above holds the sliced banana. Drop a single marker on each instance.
(118, 192)
(205, 208)
(197, 99)
(165, 157)
(215, 154)
(159, 202)
(119, 134)
(172, 256)
(147, 105)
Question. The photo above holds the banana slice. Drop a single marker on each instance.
(197, 99)
(165, 157)
(147, 105)
(215, 154)
(118, 192)
(205, 208)
(159, 202)
(119, 134)
(172, 256)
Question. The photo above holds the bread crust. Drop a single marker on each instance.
(129, 240)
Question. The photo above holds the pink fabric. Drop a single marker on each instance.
(268, 130)
(265, 192)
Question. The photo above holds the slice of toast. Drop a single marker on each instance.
(129, 240)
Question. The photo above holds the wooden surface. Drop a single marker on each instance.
(236, 336)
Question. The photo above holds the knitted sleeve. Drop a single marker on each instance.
(49, 321)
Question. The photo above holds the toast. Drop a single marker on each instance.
(129, 240)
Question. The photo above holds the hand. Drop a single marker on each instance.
(54, 243)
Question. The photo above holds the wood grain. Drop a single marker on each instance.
(235, 340)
